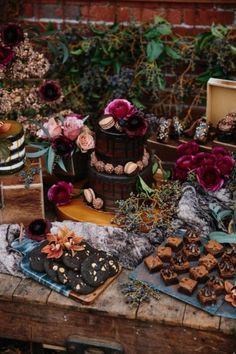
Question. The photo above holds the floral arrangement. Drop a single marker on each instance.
(126, 118)
(64, 240)
(211, 169)
(61, 138)
(18, 59)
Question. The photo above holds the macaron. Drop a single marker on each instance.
(89, 195)
(131, 168)
(107, 122)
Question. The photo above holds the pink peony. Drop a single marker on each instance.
(209, 178)
(185, 162)
(189, 148)
(60, 193)
(54, 129)
(72, 126)
(120, 108)
(225, 165)
(85, 141)
(203, 158)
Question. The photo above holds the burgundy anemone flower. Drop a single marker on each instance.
(62, 145)
(60, 193)
(50, 91)
(136, 125)
(12, 34)
(38, 229)
(6, 56)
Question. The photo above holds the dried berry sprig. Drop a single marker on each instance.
(136, 292)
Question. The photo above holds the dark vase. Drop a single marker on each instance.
(76, 167)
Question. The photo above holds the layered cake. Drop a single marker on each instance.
(13, 132)
(120, 156)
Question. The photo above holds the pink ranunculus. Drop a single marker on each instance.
(54, 129)
(209, 178)
(185, 162)
(85, 141)
(120, 108)
(225, 165)
(203, 158)
(60, 193)
(180, 173)
(72, 126)
(189, 148)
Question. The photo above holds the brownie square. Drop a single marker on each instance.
(153, 263)
(180, 263)
(164, 253)
(199, 273)
(191, 251)
(231, 253)
(209, 261)
(192, 236)
(207, 296)
(174, 242)
(169, 276)
(187, 286)
(226, 268)
(217, 284)
(213, 247)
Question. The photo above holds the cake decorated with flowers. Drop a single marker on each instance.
(120, 156)
(12, 132)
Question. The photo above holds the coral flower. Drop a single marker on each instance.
(231, 293)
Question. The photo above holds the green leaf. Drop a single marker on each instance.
(219, 31)
(53, 48)
(167, 174)
(137, 103)
(154, 50)
(172, 53)
(203, 39)
(144, 187)
(61, 164)
(65, 51)
(161, 83)
(77, 52)
(222, 237)
(37, 153)
(50, 159)
(155, 167)
(233, 49)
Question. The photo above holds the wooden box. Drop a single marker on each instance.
(19, 204)
(221, 100)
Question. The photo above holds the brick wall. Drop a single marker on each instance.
(187, 17)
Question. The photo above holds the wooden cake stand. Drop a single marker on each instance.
(78, 210)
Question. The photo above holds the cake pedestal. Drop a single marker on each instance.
(78, 210)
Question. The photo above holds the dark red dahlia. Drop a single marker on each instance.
(136, 125)
(6, 56)
(62, 146)
(50, 91)
(12, 34)
(38, 229)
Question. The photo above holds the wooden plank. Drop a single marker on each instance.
(196, 318)
(14, 325)
(8, 285)
(31, 292)
(165, 310)
(111, 301)
(228, 325)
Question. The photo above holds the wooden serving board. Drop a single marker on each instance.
(78, 210)
(43, 278)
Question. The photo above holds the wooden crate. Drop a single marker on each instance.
(221, 99)
(19, 204)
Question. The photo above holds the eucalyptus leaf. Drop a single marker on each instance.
(50, 159)
(65, 51)
(222, 237)
(172, 53)
(60, 162)
(37, 153)
(144, 187)
(155, 167)
(77, 52)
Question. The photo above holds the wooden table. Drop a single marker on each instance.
(32, 312)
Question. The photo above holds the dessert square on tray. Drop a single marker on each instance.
(189, 288)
